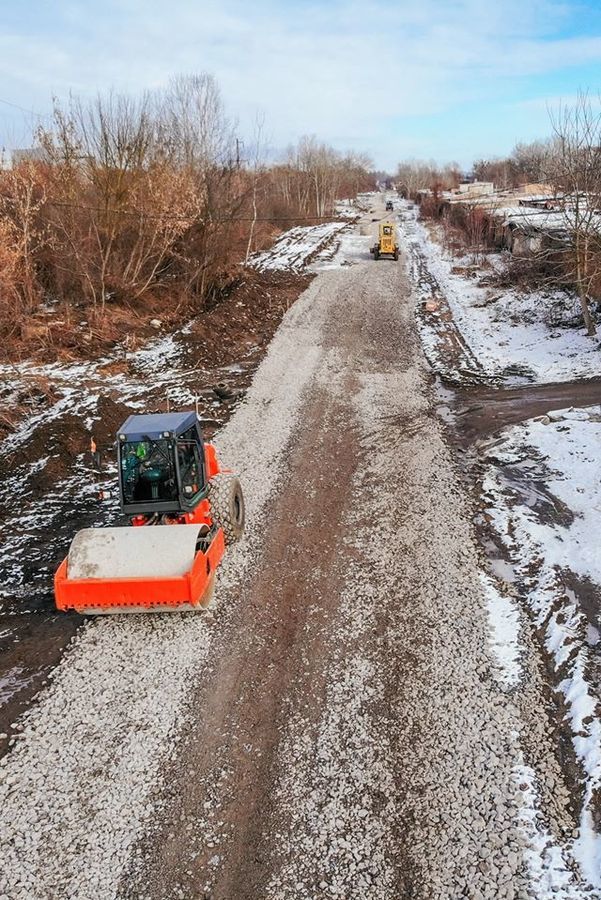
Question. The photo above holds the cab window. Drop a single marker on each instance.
(148, 471)
(190, 463)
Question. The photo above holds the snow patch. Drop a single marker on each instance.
(296, 248)
(508, 334)
(504, 621)
(543, 486)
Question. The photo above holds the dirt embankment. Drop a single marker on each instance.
(241, 318)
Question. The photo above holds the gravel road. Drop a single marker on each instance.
(335, 727)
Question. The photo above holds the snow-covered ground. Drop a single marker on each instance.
(542, 487)
(299, 246)
(507, 335)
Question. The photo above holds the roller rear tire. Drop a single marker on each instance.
(227, 506)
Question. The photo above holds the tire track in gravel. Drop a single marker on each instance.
(385, 756)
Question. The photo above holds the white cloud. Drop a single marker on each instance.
(344, 70)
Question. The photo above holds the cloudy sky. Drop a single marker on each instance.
(447, 79)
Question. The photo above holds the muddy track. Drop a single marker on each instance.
(481, 410)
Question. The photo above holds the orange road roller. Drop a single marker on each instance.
(185, 510)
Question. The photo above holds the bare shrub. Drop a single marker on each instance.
(23, 237)
(145, 203)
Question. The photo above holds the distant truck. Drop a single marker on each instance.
(387, 245)
(389, 206)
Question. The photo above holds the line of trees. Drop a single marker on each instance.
(528, 162)
(413, 175)
(140, 201)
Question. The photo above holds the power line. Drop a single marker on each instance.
(191, 218)
(29, 112)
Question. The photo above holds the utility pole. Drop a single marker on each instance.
(239, 147)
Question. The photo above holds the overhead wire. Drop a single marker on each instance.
(190, 218)
(29, 112)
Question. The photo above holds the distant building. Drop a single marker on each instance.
(475, 188)
(28, 154)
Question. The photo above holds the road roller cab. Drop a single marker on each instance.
(162, 465)
(168, 476)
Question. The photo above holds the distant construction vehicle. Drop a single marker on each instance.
(389, 206)
(387, 245)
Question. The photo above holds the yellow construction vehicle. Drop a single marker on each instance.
(387, 245)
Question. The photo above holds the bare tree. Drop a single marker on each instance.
(531, 161)
(138, 198)
(195, 125)
(576, 171)
(21, 199)
(99, 156)
(414, 175)
(256, 171)
(136, 179)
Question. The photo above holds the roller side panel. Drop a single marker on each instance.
(139, 594)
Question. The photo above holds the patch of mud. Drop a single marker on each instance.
(480, 410)
(30, 646)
